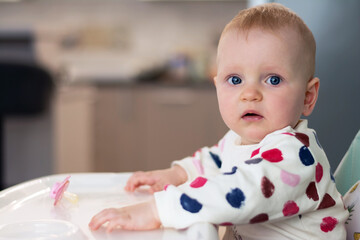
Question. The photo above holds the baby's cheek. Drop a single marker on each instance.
(287, 114)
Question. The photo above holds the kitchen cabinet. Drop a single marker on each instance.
(134, 127)
(73, 122)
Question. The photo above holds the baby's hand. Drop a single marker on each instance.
(142, 216)
(157, 179)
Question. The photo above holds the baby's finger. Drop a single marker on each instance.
(119, 222)
(132, 181)
(112, 225)
(101, 218)
(157, 187)
(138, 180)
(95, 224)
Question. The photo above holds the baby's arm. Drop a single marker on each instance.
(142, 216)
(157, 179)
(204, 161)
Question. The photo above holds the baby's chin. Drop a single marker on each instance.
(250, 140)
(252, 137)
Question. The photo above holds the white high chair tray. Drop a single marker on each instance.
(27, 211)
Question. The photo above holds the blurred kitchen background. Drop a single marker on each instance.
(125, 85)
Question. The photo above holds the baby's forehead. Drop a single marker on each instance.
(273, 38)
(284, 33)
(288, 39)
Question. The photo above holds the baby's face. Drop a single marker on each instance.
(260, 83)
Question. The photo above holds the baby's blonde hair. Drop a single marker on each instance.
(275, 17)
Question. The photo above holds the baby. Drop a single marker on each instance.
(268, 177)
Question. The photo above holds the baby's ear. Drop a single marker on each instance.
(311, 95)
(214, 79)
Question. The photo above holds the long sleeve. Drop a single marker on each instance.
(286, 175)
(205, 161)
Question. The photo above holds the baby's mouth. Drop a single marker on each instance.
(251, 116)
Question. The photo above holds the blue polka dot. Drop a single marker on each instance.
(190, 204)
(332, 177)
(233, 170)
(235, 197)
(216, 159)
(253, 161)
(305, 156)
(317, 140)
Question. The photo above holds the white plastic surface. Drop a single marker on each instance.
(41, 229)
(27, 208)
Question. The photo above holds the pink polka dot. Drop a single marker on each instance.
(272, 155)
(222, 145)
(198, 182)
(195, 153)
(318, 172)
(289, 178)
(255, 152)
(198, 165)
(166, 186)
(290, 208)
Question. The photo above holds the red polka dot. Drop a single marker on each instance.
(166, 186)
(198, 182)
(290, 208)
(287, 133)
(328, 224)
(272, 155)
(318, 172)
(255, 152)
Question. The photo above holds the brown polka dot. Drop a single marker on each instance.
(262, 217)
(327, 202)
(267, 187)
(311, 192)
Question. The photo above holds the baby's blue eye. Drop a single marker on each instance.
(234, 80)
(274, 80)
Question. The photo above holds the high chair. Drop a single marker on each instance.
(347, 176)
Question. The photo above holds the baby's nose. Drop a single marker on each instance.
(251, 93)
